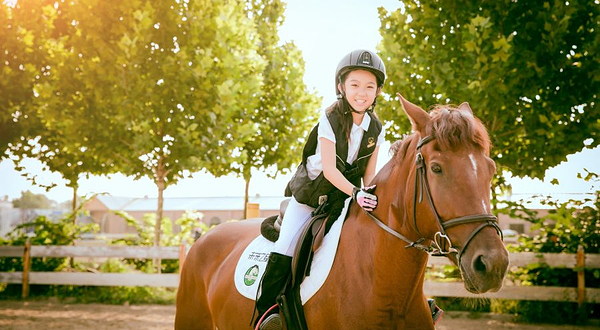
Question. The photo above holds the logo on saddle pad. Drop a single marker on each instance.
(251, 275)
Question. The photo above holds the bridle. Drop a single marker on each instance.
(441, 245)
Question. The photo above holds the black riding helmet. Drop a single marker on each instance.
(360, 59)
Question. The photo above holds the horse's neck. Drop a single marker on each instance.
(393, 189)
(396, 273)
(391, 276)
(393, 209)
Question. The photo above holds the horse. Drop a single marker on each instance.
(434, 198)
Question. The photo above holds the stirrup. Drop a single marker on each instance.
(436, 311)
(272, 322)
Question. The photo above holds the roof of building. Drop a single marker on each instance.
(188, 203)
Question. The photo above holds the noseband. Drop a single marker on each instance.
(441, 244)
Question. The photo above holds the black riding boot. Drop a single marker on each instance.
(276, 274)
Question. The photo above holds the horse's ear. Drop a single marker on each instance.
(465, 107)
(418, 117)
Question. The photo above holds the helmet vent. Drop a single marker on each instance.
(365, 58)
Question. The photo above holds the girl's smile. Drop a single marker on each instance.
(360, 89)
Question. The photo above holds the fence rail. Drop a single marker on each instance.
(578, 262)
(133, 252)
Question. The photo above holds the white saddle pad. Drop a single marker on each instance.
(252, 263)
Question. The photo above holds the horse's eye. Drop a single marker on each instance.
(436, 168)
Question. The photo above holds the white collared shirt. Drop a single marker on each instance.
(314, 164)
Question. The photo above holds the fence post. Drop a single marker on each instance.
(580, 276)
(26, 266)
(252, 210)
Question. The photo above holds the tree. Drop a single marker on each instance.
(153, 88)
(52, 132)
(530, 71)
(190, 81)
(29, 200)
(284, 110)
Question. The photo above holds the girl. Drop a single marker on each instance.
(340, 150)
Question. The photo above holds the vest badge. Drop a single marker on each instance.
(370, 142)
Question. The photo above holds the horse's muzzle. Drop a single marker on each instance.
(484, 269)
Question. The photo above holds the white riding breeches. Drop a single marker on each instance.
(296, 216)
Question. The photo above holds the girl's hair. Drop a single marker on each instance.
(343, 109)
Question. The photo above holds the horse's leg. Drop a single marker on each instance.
(192, 310)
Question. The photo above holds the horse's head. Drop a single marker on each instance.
(451, 194)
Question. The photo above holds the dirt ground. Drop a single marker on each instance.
(51, 314)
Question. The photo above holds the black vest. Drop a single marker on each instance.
(311, 192)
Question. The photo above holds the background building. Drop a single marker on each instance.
(214, 209)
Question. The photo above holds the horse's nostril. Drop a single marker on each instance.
(479, 264)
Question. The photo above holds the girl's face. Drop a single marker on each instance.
(361, 89)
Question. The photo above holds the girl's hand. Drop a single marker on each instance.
(365, 199)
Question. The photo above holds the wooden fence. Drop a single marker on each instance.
(88, 278)
(578, 262)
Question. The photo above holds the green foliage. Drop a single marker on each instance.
(284, 108)
(39, 68)
(448, 273)
(562, 230)
(116, 294)
(540, 311)
(22, 63)
(43, 231)
(566, 226)
(528, 69)
(145, 231)
(29, 200)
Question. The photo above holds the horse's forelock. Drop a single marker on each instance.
(454, 129)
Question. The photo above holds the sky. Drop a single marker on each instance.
(324, 31)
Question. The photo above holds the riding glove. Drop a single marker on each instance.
(365, 198)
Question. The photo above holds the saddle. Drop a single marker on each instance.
(311, 238)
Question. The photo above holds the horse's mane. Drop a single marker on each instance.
(452, 129)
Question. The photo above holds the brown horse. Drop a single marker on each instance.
(439, 175)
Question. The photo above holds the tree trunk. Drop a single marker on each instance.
(74, 204)
(160, 183)
(74, 208)
(159, 211)
(247, 179)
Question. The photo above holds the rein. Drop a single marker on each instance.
(441, 245)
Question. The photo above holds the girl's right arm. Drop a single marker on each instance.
(366, 200)
(330, 171)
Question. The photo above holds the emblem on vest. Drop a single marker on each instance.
(370, 142)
